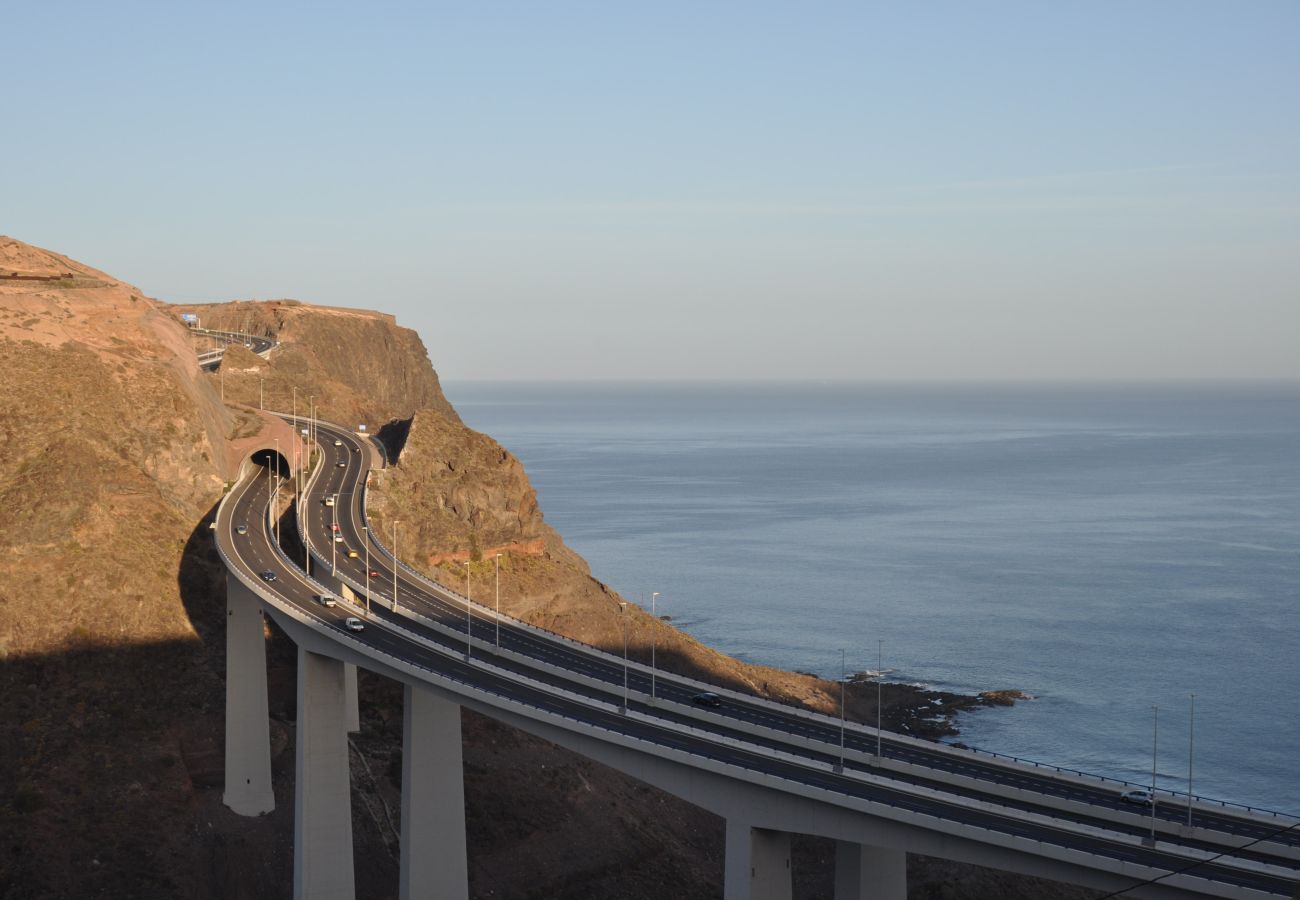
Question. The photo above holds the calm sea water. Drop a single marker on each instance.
(1106, 549)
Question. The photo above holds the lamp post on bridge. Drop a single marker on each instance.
(367, 542)
(622, 609)
(496, 572)
(1155, 732)
(880, 676)
(1191, 750)
(396, 522)
(469, 621)
(840, 765)
(654, 640)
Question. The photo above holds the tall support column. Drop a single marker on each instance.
(434, 861)
(863, 872)
(322, 825)
(757, 865)
(248, 727)
(351, 709)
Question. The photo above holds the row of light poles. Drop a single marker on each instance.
(469, 616)
(1191, 757)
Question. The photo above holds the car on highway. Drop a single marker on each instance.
(352, 554)
(334, 527)
(341, 464)
(326, 599)
(338, 443)
(1136, 797)
(338, 538)
(268, 575)
(707, 698)
(374, 573)
(241, 529)
(329, 500)
(352, 623)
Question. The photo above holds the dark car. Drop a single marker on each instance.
(268, 575)
(707, 698)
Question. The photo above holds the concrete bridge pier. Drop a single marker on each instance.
(340, 589)
(322, 825)
(248, 732)
(351, 711)
(757, 863)
(863, 872)
(434, 861)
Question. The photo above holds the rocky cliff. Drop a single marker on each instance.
(117, 448)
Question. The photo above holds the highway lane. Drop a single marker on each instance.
(254, 552)
(450, 611)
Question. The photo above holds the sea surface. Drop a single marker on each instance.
(1106, 549)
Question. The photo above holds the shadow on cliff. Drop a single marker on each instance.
(111, 785)
(201, 581)
(392, 437)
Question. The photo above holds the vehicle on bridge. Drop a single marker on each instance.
(1137, 797)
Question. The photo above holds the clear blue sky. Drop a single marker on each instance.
(1031, 190)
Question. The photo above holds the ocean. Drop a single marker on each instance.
(1110, 550)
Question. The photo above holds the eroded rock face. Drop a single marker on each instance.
(361, 366)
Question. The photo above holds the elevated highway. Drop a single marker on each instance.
(211, 359)
(768, 769)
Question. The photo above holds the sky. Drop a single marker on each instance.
(705, 190)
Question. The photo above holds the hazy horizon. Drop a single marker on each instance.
(949, 191)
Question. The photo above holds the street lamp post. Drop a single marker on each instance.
(469, 620)
(367, 542)
(396, 522)
(654, 640)
(1155, 731)
(622, 608)
(1191, 750)
(880, 676)
(275, 507)
(840, 766)
(496, 571)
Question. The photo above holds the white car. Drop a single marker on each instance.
(241, 529)
(338, 538)
(1136, 797)
(326, 599)
(352, 623)
(338, 443)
